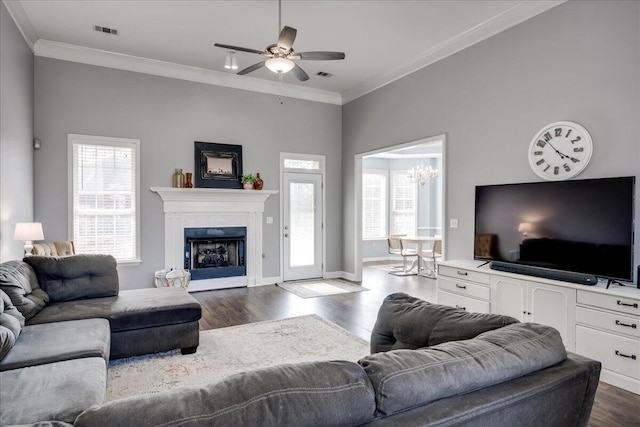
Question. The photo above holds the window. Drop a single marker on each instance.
(403, 204)
(104, 188)
(374, 204)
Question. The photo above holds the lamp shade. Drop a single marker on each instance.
(279, 65)
(524, 227)
(28, 231)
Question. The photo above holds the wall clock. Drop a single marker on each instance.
(560, 150)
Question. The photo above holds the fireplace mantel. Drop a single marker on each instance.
(212, 199)
(214, 207)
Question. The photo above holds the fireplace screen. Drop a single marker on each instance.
(215, 252)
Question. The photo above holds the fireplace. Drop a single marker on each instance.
(215, 208)
(215, 252)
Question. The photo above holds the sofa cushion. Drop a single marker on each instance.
(406, 322)
(10, 326)
(404, 379)
(19, 281)
(56, 391)
(132, 309)
(58, 341)
(75, 277)
(321, 394)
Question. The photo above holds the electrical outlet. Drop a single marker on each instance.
(453, 223)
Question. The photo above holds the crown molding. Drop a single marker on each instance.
(507, 19)
(19, 16)
(103, 58)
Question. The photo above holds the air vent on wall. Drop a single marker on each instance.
(106, 30)
(323, 74)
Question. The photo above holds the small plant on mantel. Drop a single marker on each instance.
(247, 181)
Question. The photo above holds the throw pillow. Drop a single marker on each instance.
(18, 280)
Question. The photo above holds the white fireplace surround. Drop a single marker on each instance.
(213, 207)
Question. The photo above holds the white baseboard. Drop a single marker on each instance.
(385, 258)
(264, 281)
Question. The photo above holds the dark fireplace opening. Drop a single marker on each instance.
(215, 252)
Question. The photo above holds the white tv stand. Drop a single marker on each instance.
(599, 323)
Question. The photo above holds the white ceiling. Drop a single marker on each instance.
(383, 40)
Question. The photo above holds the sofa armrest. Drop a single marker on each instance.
(76, 277)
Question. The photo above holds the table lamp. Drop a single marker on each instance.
(524, 228)
(28, 231)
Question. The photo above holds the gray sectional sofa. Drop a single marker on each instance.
(431, 365)
(62, 319)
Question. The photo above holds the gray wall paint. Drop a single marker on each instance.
(579, 61)
(168, 115)
(16, 135)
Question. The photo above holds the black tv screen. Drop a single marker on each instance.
(584, 226)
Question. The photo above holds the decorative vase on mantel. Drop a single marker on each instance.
(247, 185)
(189, 182)
(258, 183)
(177, 179)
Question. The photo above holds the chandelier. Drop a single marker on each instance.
(422, 173)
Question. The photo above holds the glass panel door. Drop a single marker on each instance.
(302, 237)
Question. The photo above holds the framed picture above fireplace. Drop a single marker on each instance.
(218, 165)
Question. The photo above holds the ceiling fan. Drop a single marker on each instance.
(281, 54)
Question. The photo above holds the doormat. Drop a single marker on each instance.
(321, 287)
(227, 351)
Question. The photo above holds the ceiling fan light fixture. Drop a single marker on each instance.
(230, 62)
(279, 65)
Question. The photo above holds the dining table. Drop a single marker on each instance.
(419, 263)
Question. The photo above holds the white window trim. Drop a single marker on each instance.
(110, 141)
(385, 173)
(415, 199)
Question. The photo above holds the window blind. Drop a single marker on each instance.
(403, 204)
(374, 211)
(104, 198)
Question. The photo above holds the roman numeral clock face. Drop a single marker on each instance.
(560, 151)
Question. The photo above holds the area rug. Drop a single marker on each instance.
(226, 351)
(321, 287)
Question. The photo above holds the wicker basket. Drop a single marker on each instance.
(176, 277)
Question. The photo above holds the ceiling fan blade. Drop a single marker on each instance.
(251, 68)
(240, 49)
(320, 56)
(287, 36)
(300, 74)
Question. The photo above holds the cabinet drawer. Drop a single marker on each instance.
(613, 322)
(609, 302)
(466, 303)
(461, 273)
(465, 288)
(610, 350)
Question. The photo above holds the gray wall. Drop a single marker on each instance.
(168, 115)
(16, 135)
(579, 61)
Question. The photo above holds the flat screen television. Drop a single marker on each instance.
(583, 226)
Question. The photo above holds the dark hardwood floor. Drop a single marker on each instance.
(356, 312)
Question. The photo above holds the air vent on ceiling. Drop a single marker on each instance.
(323, 74)
(106, 30)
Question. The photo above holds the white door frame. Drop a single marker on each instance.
(357, 251)
(322, 171)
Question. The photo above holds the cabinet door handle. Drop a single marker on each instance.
(628, 325)
(462, 273)
(634, 305)
(460, 307)
(460, 286)
(632, 357)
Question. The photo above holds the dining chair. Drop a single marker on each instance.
(396, 247)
